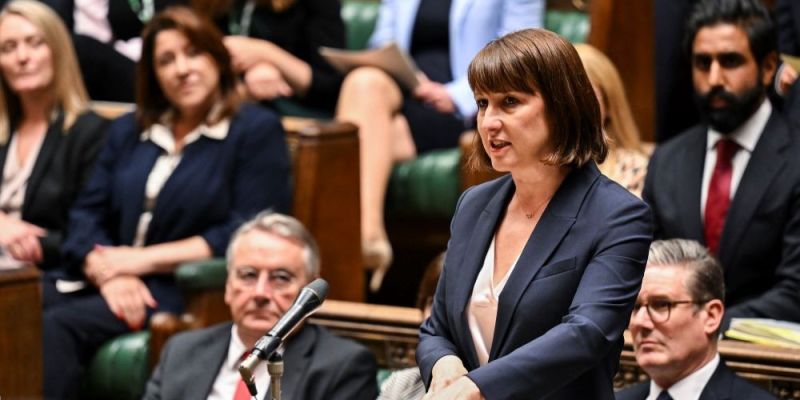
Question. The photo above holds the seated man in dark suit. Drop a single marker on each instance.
(270, 259)
(675, 327)
(733, 182)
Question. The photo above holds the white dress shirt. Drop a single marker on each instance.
(228, 377)
(690, 387)
(746, 136)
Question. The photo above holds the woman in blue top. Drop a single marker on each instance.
(172, 183)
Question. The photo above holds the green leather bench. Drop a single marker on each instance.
(428, 186)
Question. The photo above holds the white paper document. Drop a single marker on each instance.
(389, 58)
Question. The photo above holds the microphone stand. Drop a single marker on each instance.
(275, 369)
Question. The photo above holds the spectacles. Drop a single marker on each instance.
(660, 310)
(278, 279)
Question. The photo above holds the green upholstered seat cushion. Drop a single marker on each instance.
(119, 369)
(426, 186)
(201, 275)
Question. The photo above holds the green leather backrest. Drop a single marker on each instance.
(201, 275)
(119, 369)
(359, 17)
(427, 186)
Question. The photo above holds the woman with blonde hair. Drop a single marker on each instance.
(627, 159)
(48, 137)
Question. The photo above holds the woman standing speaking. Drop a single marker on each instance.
(544, 263)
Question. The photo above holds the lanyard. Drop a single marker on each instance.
(144, 9)
(242, 27)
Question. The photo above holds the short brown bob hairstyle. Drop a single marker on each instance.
(151, 103)
(539, 61)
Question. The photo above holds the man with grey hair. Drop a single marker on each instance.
(270, 259)
(675, 328)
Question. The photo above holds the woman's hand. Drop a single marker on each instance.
(435, 94)
(246, 52)
(265, 82)
(445, 372)
(107, 262)
(462, 389)
(21, 239)
(787, 78)
(128, 298)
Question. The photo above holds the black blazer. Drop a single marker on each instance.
(723, 385)
(301, 30)
(760, 245)
(62, 167)
(317, 366)
(787, 13)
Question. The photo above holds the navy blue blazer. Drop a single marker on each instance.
(723, 385)
(218, 185)
(562, 313)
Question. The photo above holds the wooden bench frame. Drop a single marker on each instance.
(392, 334)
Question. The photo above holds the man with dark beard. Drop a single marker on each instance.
(733, 182)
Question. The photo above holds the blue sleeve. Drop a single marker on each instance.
(515, 15)
(89, 217)
(435, 337)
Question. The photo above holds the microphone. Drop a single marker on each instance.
(309, 299)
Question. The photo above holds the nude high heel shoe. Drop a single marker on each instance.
(376, 256)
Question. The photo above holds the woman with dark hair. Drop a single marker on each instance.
(172, 183)
(543, 264)
(48, 136)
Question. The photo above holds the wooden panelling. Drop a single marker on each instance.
(623, 30)
(21, 338)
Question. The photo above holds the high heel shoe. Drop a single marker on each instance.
(376, 256)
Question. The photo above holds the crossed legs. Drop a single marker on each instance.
(372, 100)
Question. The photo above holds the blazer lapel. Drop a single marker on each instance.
(689, 186)
(720, 385)
(472, 260)
(296, 357)
(46, 153)
(765, 163)
(557, 219)
(211, 354)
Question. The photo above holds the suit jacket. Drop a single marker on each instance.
(562, 313)
(723, 385)
(301, 30)
(62, 167)
(473, 23)
(317, 365)
(760, 245)
(217, 185)
(787, 13)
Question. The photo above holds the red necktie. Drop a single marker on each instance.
(241, 388)
(241, 391)
(719, 193)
